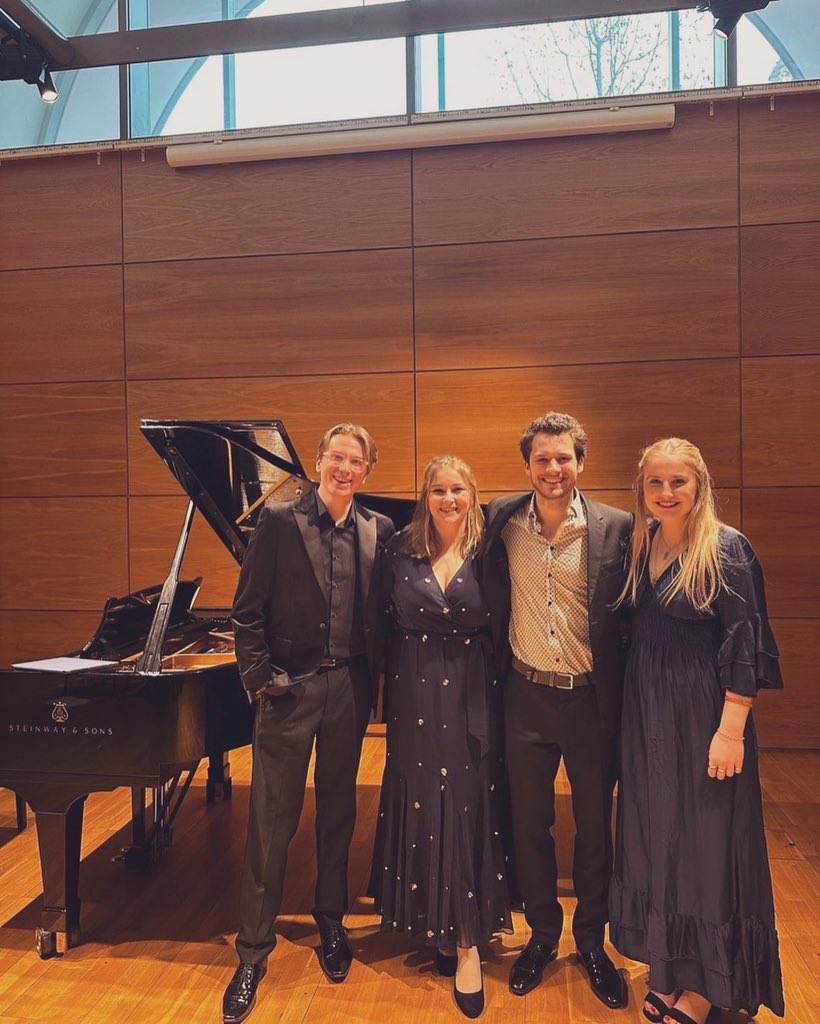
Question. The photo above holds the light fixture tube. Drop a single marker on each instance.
(425, 135)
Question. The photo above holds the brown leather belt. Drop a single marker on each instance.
(558, 680)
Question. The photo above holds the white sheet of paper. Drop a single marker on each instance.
(63, 664)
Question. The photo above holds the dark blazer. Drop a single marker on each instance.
(608, 534)
(280, 609)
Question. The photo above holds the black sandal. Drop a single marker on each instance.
(673, 1013)
(657, 1004)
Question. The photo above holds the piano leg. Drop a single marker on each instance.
(22, 819)
(59, 836)
(219, 784)
(139, 853)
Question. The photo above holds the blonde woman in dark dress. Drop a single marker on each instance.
(691, 894)
(439, 870)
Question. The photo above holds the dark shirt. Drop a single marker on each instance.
(340, 574)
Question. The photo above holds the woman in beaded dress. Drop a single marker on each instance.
(691, 893)
(439, 870)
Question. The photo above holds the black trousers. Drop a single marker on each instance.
(331, 708)
(542, 726)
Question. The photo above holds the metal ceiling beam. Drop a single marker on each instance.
(54, 46)
(382, 21)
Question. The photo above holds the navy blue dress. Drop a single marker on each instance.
(439, 867)
(691, 893)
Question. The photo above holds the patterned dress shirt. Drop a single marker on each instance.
(549, 624)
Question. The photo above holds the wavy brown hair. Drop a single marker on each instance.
(420, 537)
(701, 574)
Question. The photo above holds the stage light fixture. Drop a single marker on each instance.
(727, 13)
(47, 88)
(724, 27)
(22, 60)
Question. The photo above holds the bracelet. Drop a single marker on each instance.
(735, 698)
(736, 739)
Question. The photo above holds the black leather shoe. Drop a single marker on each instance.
(446, 964)
(335, 954)
(528, 969)
(607, 982)
(240, 995)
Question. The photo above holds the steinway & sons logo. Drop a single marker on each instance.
(59, 716)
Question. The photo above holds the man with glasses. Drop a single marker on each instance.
(307, 618)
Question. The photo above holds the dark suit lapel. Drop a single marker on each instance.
(367, 537)
(304, 512)
(596, 531)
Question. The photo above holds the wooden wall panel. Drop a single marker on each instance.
(62, 553)
(60, 212)
(780, 289)
(791, 717)
(779, 159)
(577, 300)
(383, 403)
(782, 526)
(481, 414)
(640, 181)
(62, 439)
(349, 202)
(155, 524)
(28, 636)
(781, 422)
(320, 313)
(61, 325)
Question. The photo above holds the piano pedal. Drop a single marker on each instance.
(139, 857)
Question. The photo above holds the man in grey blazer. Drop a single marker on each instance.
(307, 618)
(553, 569)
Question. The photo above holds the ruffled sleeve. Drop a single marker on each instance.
(748, 655)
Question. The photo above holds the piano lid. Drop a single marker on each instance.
(229, 470)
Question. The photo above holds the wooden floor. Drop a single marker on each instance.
(158, 943)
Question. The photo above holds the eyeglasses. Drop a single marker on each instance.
(337, 461)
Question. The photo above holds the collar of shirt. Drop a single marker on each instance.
(575, 514)
(326, 520)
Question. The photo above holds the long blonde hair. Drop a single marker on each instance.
(421, 539)
(701, 575)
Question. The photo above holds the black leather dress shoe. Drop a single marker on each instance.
(607, 982)
(335, 954)
(528, 969)
(240, 995)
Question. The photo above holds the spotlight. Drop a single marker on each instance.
(19, 60)
(728, 13)
(47, 88)
(725, 26)
(22, 59)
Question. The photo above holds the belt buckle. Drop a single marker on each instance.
(565, 675)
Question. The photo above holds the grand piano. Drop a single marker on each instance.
(166, 693)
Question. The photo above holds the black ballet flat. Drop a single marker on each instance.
(446, 964)
(471, 1004)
